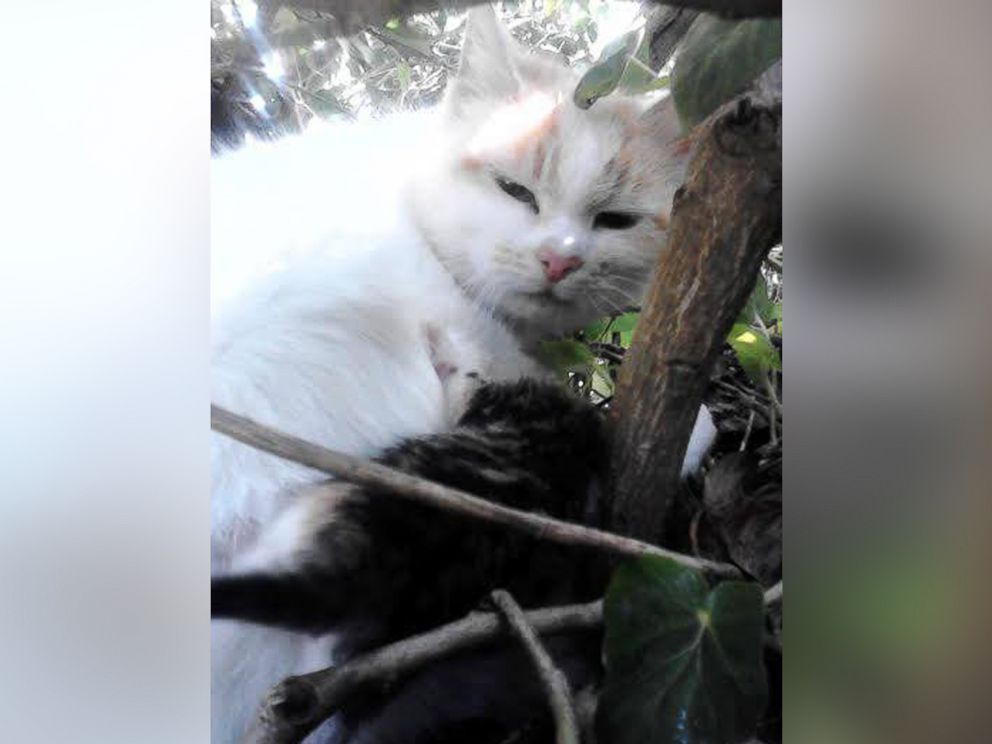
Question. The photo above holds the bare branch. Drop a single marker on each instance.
(731, 8)
(554, 681)
(726, 217)
(773, 595)
(296, 706)
(375, 475)
(666, 26)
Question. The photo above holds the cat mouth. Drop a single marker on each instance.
(548, 297)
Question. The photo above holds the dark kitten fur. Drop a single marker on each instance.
(382, 568)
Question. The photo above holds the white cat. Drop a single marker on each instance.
(359, 272)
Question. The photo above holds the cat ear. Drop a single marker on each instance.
(489, 68)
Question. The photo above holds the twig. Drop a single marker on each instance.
(375, 475)
(772, 418)
(747, 431)
(607, 351)
(555, 683)
(773, 595)
(297, 705)
(750, 396)
(776, 403)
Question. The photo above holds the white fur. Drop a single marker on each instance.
(331, 334)
(354, 268)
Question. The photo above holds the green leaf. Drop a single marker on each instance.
(566, 355)
(625, 325)
(626, 322)
(683, 662)
(754, 352)
(622, 324)
(758, 303)
(596, 330)
(601, 381)
(639, 77)
(603, 77)
(776, 316)
(718, 59)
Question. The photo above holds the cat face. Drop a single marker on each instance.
(550, 215)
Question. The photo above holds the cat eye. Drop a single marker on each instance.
(518, 192)
(615, 220)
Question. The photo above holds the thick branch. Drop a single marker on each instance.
(726, 217)
(375, 475)
(554, 681)
(666, 26)
(296, 706)
(731, 8)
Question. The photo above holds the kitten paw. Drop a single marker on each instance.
(456, 362)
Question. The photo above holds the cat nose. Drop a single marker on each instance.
(556, 266)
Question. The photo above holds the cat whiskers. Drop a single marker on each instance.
(616, 298)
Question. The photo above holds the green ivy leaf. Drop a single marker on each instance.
(754, 352)
(603, 77)
(718, 59)
(683, 662)
(596, 330)
(622, 324)
(639, 77)
(566, 355)
(601, 382)
(625, 325)
(758, 303)
(776, 316)
(626, 322)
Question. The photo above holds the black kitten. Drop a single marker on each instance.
(381, 568)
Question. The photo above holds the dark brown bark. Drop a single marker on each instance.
(665, 28)
(731, 8)
(726, 217)
(297, 705)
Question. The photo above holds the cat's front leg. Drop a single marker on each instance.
(460, 366)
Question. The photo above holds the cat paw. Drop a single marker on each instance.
(457, 365)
